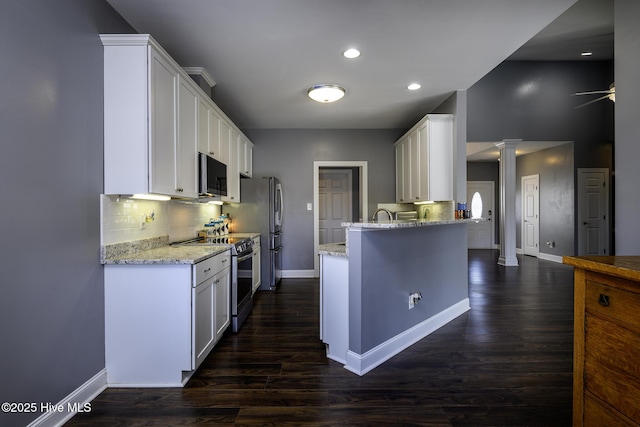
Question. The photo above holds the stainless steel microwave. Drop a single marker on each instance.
(213, 176)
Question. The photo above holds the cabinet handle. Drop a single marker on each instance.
(224, 260)
(603, 300)
(212, 153)
(180, 190)
(207, 270)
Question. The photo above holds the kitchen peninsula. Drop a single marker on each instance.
(390, 285)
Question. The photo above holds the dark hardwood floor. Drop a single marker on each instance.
(507, 362)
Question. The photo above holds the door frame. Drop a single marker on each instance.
(537, 214)
(364, 198)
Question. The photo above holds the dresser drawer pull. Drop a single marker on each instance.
(603, 300)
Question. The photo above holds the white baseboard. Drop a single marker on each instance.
(549, 257)
(298, 274)
(363, 363)
(77, 401)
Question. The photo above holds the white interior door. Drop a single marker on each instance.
(480, 195)
(334, 204)
(593, 211)
(531, 215)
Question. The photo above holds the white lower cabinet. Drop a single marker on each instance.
(161, 321)
(334, 306)
(210, 313)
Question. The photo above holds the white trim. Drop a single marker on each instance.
(362, 363)
(364, 195)
(298, 274)
(78, 400)
(199, 71)
(549, 257)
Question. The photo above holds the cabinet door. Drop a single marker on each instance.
(203, 127)
(440, 158)
(422, 163)
(186, 144)
(413, 172)
(401, 196)
(222, 302)
(204, 327)
(224, 141)
(246, 156)
(162, 125)
(233, 173)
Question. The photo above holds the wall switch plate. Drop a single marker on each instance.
(309, 206)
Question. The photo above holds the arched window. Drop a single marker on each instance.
(476, 205)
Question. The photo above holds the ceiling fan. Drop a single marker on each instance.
(610, 94)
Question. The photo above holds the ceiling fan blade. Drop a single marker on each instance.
(592, 101)
(595, 92)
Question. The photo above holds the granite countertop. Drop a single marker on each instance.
(408, 224)
(157, 250)
(627, 267)
(334, 249)
(170, 255)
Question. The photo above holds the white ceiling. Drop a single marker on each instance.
(265, 54)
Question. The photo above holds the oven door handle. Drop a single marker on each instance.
(245, 257)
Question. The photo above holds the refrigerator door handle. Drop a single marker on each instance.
(280, 202)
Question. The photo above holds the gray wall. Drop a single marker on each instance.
(556, 178)
(289, 155)
(51, 285)
(532, 101)
(627, 148)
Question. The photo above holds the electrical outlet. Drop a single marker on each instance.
(414, 298)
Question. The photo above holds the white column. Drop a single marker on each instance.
(508, 202)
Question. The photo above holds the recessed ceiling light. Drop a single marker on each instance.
(351, 53)
(586, 53)
(326, 93)
(414, 86)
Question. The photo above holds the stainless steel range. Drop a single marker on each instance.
(241, 272)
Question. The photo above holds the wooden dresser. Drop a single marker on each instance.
(606, 349)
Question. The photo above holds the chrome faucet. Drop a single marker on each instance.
(375, 214)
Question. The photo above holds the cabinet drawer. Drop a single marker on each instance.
(209, 267)
(605, 300)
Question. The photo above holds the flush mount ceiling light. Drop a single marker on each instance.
(351, 53)
(414, 86)
(326, 93)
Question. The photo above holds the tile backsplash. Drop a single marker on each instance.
(124, 219)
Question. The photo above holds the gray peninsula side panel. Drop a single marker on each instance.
(386, 266)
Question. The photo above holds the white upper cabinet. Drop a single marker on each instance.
(245, 156)
(213, 132)
(156, 119)
(424, 161)
(233, 168)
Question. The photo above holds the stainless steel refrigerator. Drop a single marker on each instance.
(260, 210)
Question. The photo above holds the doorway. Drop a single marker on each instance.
(481, 196)
(593, 211)
(530, 215)
(342, 200)
(336, 202)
